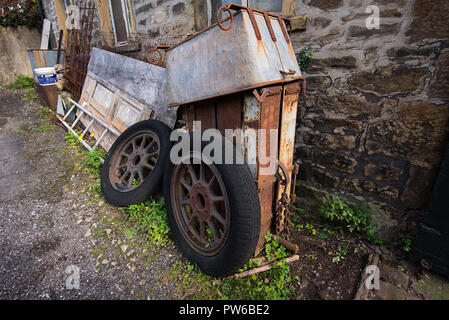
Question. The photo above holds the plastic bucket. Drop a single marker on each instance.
(46, 76)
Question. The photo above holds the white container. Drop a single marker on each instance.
(46, 76)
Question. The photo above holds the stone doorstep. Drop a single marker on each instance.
(388, 291)
(394, 276)
(393, 284)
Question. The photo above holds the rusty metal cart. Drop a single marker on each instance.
(240, 73)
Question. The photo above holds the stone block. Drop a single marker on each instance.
(345, 62)
(429, 21)
(298, 23)
(325, 140)
(417, 133)
(394, 276)
(388, 291)
(337, 160)
(325, 179)
(340, 124)
(389, 80)
(383, 172)
(418, 188)
(439, 86)
(318, 83)
(363, 32)
(178, 8)
(326, 5)
(352, 105)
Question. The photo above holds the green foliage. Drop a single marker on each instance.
(273, 249)
(150, 218)
(404, 242)
(46, 114)
(93, 161)
(46, 128)
(353, 218)
(30, 95)
(22, 82)
(26, 13)
(303, 57)
(274, 284)
(340, 254)
(96, 187)
(72, 139)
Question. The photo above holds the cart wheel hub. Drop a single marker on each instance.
(200, 199)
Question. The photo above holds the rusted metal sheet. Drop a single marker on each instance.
(205, 112)
(286, 144)
(217, 63)
(269, 120)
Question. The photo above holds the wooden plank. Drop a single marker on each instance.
(288, 125)
(189, 116)
(45, 34)
(229, 112)
(269, 120)
(205, 112)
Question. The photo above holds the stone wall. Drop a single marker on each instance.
(169, 20)
(374, 123)
(14, 46)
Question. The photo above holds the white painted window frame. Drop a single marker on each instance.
(126, 17)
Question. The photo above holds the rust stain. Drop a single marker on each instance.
(291, 51)
(280, 56)
(259, 46)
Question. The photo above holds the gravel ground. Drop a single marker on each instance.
(50, 219)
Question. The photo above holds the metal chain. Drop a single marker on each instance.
(282, 209)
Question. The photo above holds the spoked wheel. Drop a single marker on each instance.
(213, 211)
(135, 161)
(201, 207)
(133, 169)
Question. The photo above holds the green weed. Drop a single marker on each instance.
(340, 254)
(404, 242)
(150, 218)
(274, 284)
(21, 82)
(46, 128)
(353, 218)
(303, 57)
(72, 139)
(93, 161)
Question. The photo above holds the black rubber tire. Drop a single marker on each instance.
(244, 227)
(153, 185)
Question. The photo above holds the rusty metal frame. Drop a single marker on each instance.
(77, 47)
(267, 15)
